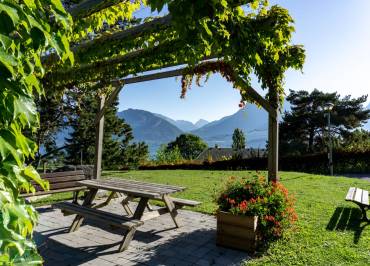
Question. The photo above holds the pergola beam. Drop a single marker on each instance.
(118, 59)
(118, 84)
(130, 33)
(88, 7)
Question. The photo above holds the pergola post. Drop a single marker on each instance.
(273, 135)
(99, 140)
(273, 146)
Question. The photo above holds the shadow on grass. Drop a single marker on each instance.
(347, 219)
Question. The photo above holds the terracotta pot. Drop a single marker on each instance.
(237, 231)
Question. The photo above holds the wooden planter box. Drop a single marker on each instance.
(239, 232)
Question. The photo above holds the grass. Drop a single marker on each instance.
(328, 232)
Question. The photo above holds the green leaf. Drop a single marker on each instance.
(38, 38)
(9, 11)
(9, 62)
(30, 172)
(5, 40)
(25, 111)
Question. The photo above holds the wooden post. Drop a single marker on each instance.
(273, 152)
(99, 141)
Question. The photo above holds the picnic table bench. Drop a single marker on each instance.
(60, 182)
(361, 198)
(105, 217)
(131, 190)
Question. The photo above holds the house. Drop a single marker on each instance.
(220, 154)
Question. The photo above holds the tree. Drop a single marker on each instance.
(116, 138)
(238, 140)
(55, 111)
(356, 141)
(28, 30)
(168, 156)
(190, 145)
(134, 154)
(304, 128)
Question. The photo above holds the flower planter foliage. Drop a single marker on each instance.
(248, 199)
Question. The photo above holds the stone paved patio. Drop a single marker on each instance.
(157, 242)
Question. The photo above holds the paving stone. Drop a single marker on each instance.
(157, 242)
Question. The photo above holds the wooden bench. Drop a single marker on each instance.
(179, 203)
(60, 182)
(101, 216)
(361, 198)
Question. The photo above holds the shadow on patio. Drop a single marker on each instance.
(153, 244)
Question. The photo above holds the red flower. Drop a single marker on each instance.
(231, 201)
(243, 206)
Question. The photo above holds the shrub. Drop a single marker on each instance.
(254, 197)
(166, 156)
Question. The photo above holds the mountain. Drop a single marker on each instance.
(251, 119)
(201, 123)
(149, 127)
(184, 125)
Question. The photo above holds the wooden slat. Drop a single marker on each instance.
(244, 221)
(100, 215)
(57, 186)
(101, 185)
(236, 231)
(365, 197)
(142, 186)
(137, 186)
(40, 193)
(358, 195)
(61, 179)
(148, 183)
(350, 194)
(66, 173)
(185, 202)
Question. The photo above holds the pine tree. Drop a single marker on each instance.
(304, 128)
(239, 141)
(81, 143)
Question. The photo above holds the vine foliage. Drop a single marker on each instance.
(252, 40)
(27, 29)
(255, 39)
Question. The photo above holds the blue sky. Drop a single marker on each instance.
(336, 36)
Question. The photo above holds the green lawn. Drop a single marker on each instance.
(328, 231)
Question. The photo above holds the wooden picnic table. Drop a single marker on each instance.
(131, 189)
(143, 191)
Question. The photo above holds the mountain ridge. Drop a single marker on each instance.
(184, 125)
(156, 129)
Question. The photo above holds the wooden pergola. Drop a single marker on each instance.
(105, 101)
(173, 68)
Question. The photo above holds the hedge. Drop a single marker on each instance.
(344, 162)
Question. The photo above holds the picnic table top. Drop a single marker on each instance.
(132, 187)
